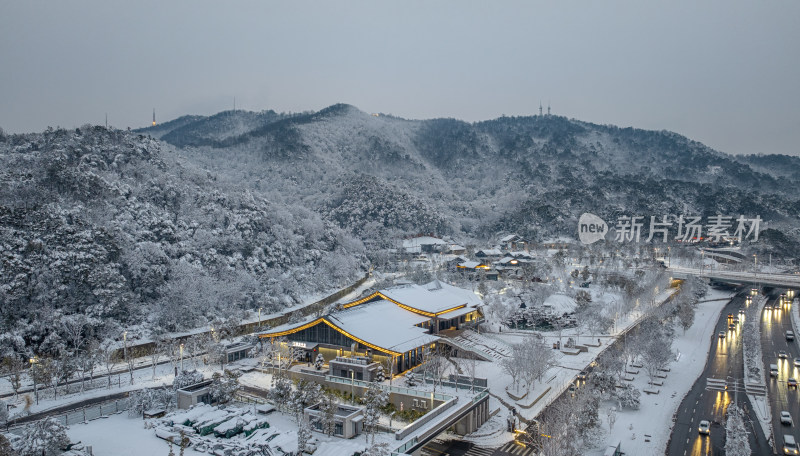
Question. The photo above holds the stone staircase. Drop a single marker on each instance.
(492, 348)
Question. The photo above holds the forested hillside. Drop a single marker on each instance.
(203, 217)
(110, 226)
(529, 175)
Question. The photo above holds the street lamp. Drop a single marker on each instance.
(352, 384)
(702, 262)
(181, 357)
(259, 317)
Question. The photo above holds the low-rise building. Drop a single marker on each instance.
(356, 368)
(194, 394)
(348, 420)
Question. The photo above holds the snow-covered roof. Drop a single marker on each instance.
(469, 264)
(520, 254)
(560, 303)
(490, 252)
(559, 240)
(457, 312)
(507, 260)
(387, 319)
(380, 323)
(385, 325)
(510, 237)
(456, 247)
(434, 297)
(422, 240)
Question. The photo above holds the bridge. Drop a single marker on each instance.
(738, 277)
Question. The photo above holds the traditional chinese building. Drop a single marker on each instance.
(397, 323)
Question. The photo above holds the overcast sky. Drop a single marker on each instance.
(726, 73)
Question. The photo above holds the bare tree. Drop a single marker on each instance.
(470, 366)
(434, 364)
(159, 346)
(657, 354)
(12, 366)
(107, 353)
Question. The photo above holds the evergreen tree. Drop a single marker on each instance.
(374, 399)
(43, 438)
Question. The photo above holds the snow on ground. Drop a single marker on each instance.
(120, 435)
(560, 304)
(556, 379)
(654, 417)
(143, 378)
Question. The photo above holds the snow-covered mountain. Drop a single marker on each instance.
(531, 175)
(207, 216)
(109, 225)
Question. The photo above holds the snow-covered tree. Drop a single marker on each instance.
(186, 378)
(377, 449)
(151, 398)
(224, 386)
(3, 413)
(303, 436)
(46, 437)
(629, 397)
(434, 365)
(374, 399)
(281, 392)
(5, 447)
(657, 348)
(41, 373)
(327, 407)
(379, 375)
(107, 354)
(319, 361)
(305, 394)
(513, 364)
(12, 366)
(686, 313)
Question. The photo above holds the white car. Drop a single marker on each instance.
(797, 362)
(705, 427)
(786, 418)
(782, 354)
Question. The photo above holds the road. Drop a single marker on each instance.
(774, 324)
(724, 360)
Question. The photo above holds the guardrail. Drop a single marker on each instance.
(391, 389)
(82, 415)
(424, 419)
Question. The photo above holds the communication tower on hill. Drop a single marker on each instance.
(154, 117)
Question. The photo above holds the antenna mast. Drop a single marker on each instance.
(540, 108)
(154, 117)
